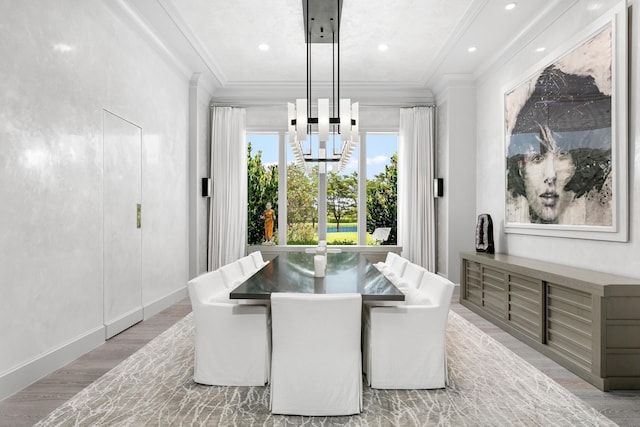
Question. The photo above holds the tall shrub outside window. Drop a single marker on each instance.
(382, 185)
(262, 184)
(302, 203)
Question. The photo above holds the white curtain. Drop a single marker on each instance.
(228, 209)
(416, 207)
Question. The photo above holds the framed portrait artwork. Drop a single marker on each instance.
(566, 139)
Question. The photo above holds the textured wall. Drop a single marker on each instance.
(63, 63)
(442, 207)
(459, 183)
(611, 257)
(204, 168)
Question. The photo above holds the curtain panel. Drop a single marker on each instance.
(416, 207)
(228, 203)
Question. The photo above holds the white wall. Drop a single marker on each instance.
(441, 171)
(199, 167)
(455, 163)
(204, 166)
(611, 257)
(63, 63)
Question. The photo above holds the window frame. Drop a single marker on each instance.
(322, 195)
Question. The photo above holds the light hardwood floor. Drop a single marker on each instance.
(34, 402)
(28, 406)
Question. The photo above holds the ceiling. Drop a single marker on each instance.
(428, 40)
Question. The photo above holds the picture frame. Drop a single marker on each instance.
(565, 138)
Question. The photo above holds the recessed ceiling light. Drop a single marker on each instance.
(263, 47)
(382, 47)
(62, 47)
(541, 49)
(594, 6)
(472, 49)
(510, 6)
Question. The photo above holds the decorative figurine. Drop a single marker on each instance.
(269, 217)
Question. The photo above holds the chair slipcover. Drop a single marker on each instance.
(232, 274)
(258, 260)
(404, 346)
(431, 278)
(231, 340)
(395, 271)
(213, 281)
(387, 262)
(248, 266)
(411, 277)
(316, 361)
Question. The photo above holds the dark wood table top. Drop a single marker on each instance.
(347, 272)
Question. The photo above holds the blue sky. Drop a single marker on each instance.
(380, 148)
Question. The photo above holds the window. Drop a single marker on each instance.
(382, 191)
(342, 204)
(355, 205)
(262, 185)
(302, 203)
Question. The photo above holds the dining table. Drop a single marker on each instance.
(346, 272)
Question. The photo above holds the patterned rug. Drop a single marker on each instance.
(489, 386)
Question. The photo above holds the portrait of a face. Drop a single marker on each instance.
(559, 139)
(545, 173)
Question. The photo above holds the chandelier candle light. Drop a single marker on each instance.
(322, 25)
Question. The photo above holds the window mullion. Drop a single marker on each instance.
(362, 190)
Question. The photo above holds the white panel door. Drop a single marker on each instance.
(122, 233)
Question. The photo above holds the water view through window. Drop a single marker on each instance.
(382, 186)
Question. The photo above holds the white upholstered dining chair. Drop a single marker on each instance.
(232, 274)
(411, 277)
(258, 260)
(395, 271)
(383, 265)
(248, 266)
(404, 346)
(232, 341)
(316, 365)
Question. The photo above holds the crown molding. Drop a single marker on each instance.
(124, 11)
(196, 45)
(470, 15)
(551, 13)
(153, 22)
(367, 94)
(449, 81)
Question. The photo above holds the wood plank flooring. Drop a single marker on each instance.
(34, 402)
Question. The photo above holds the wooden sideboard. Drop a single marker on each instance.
(587, 321)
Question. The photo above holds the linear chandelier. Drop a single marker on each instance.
(322, 25)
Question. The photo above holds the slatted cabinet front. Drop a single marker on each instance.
(509, 297)
(526, 299)
(587, 321)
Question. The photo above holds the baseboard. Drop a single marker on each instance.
(114, 327)
(31, 371)
(156, 306)
(456, 290)
(18, 378)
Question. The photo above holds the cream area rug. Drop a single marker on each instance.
(489, 386)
